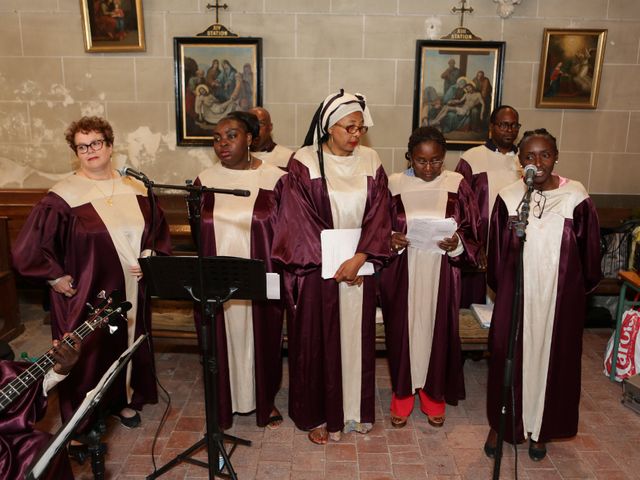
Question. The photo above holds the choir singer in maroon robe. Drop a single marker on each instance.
(249, 333)
(20, 442)
(420, 288)
(561, 266)
(333, 183)
(85, 236)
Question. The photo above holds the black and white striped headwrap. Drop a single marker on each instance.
(335, 106)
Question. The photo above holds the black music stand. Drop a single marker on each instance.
(40, 464)
(211, 281)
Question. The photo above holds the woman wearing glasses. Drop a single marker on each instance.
(333, 183)
(84, 237)
(420, 288)
(561, 266)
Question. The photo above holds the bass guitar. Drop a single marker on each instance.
(99, 318)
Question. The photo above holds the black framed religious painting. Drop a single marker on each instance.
(214, 76)
(457, 85)
(570, 68)
(112, 25)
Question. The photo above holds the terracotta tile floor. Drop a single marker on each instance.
(605, 448)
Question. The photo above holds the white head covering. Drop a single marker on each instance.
(332, 109)
(339, 105)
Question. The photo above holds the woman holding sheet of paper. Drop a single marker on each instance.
(333, 183)
(420, 288)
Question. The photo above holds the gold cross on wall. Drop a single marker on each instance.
(462, 11)
(217, 6)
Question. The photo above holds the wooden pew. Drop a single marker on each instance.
(10, 324)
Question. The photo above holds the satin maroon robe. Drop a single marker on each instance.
(57, 240)
(313, 317)
(445, 379)
(20, 443)
(267, 315)
(474, 284)
(579, 273)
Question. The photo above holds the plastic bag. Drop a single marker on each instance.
(628, 363)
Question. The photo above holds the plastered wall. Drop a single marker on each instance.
(311, 47)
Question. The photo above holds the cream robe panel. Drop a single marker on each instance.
(544, 239)
(502, 169)
(422, 200)
(278, 157)
(347, 188)
(232, 227)
(124, 222)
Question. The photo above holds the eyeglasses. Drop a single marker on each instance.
(504, 126)
(95, 146)
(352, 129)
(539, 201)
(431, 163)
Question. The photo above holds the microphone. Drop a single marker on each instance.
(529, 173)
(130, 172)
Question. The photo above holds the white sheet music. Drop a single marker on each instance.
(273, 286)
(338, 245)
(425, 233)
(482, 313)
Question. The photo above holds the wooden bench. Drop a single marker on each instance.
(10, 324)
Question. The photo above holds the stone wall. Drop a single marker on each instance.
(311, 47)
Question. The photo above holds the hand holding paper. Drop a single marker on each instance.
(339, 247)
(426, 233)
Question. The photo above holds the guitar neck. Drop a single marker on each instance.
(39, 368)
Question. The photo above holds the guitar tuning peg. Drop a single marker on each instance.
(112, 329)
(102, 295)
(90, 307)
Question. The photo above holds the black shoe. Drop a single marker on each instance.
(129, 422)
(537, 450)
(489, 451)
(491, 444)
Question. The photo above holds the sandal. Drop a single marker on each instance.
(319, 435)
(398, 421)
(275, 420)
(436, 422)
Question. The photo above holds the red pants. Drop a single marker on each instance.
(404, 405)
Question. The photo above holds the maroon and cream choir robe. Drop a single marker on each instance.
(249, 333)
(330, 326)
(561, 265)
(20, 442)
(487, 171)
(420, 290)
(278, 156)
(80, 229)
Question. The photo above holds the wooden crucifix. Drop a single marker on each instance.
(217, 7)
(462, 11)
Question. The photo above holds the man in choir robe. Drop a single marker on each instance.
(263, 146)
(20, 442)
(488, 168)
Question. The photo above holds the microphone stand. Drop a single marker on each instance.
(520, 227)
(214, 437)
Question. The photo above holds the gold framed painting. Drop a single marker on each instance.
(570, 68)
(112, 25)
